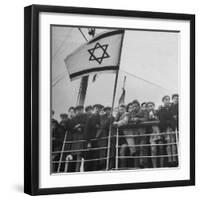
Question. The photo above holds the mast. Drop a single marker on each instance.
(112, 108)
(84, 79)
(82, 90)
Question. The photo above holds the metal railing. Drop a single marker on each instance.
(68, 153)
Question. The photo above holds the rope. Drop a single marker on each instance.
(62, 75)
(82, 34)
(58, 80)
(57, 77)
(61, 44)
(147, 81)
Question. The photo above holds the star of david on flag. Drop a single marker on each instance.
(101, 54)
(94, 53)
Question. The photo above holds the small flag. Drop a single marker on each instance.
(122, 97)
(101, 54)
(94, 78)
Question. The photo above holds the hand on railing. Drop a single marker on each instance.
(89, 145)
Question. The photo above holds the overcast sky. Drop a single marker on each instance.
(149, 60)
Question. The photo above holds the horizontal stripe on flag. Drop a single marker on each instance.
(102, 69)
(102, 53)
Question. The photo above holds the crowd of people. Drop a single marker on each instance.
(144, 136)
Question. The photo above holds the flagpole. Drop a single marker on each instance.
(124, 82)
(112, 108)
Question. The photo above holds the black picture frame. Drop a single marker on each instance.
(31, 98)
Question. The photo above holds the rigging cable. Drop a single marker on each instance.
(147, 81)
(61, 44)
(82, 34)
(61, 76)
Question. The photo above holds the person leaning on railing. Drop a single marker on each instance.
(90, 132)
(58, 134)
(138, 115)
(155, 138)
(166, 125)
(174, 110)
(134, 115)
(77, 130)
(175, 126)
(102, 136)
(121, 119)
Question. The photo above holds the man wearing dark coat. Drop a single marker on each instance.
(88, 110)
(175, 127)
(136, 116)
(102, 136)
(174, 111)
(64, 121)
(77, 131)
(58, 134)
(69, 125)
(166, 126)
(91, 128)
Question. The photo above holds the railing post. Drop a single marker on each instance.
(117, 150)
(177, 143)
(61, 154)
(68, 158)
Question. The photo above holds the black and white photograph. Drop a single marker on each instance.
(109, 100)
(114, 99)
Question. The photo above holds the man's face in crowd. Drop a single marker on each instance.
(96, 110)
(53, 125)
(101, 112)
(166, 101)
(150, 107)
(136, 107)
(175, 99)
(71, 113)
(144, 106)
(108, 112)
(130, 108)
(79, 111)
(122, 109)
(90, 111)
(115, 111)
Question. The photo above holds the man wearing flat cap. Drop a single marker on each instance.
(166, 118)
(91, 128)
(58, 134)
(64, 121)
(88, 110)
(102, 136)
(174, 111)
(78, 126)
